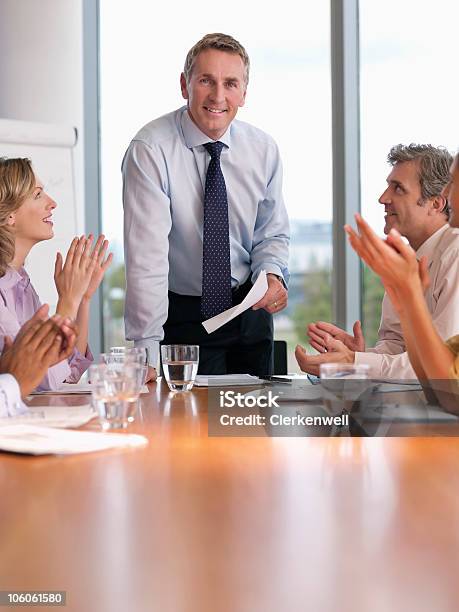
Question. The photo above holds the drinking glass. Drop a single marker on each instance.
(139, 351)
(180, 365)
(117, 358)
(130, 356)
(115, 392)
(118, 349)
(342, 385)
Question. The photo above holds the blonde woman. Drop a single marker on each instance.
(25, 220)
(405, 280)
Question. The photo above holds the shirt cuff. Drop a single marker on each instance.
(374, 360)
(271, 269)
(153, 351)
(12, 394)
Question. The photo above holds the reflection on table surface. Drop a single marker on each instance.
(235, 524)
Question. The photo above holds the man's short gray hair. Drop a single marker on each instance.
(221, 42)
(434, 164)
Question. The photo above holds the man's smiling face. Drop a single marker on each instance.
(402, 201)
(215, 91)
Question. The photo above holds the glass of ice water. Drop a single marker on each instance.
(342, 385)
(115, 393)
(180, 365)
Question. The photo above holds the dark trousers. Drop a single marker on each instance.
(244, 345)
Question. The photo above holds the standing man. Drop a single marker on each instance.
(203, 216)
(415, 204)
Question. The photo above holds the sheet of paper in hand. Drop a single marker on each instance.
(255, 294)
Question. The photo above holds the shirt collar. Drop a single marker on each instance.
(193, 135)
(429, 246)
(13, 277)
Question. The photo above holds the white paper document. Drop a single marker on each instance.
(227, 380)
(47, 440)
(80, 388)
(255, 294)
(52, 416)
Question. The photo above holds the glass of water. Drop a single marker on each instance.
(118, 349)
(115, 393)
(342, 385)
(119, 359)
(180, 365)
(138, 352)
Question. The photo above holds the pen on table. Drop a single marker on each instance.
(277, 379)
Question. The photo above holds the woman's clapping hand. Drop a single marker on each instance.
(80, 274)
(102, 263)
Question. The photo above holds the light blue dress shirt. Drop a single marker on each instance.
(164, 174)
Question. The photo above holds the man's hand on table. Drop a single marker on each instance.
(152, 375)
(275, 299)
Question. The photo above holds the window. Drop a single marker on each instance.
(288, 96)
(408, 89)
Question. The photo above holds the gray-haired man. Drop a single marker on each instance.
(204, 215)
(416, 206)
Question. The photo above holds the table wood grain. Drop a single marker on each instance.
(193, 523)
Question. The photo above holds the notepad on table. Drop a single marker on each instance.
(52, 416)
(80, 388)
(33, 440)
(227, 380)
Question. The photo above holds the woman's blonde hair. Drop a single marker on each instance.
(17, 182)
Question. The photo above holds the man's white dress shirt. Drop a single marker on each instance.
(164, 174)
(389, 359)
(10, 396)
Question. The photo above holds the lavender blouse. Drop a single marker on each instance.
(18, 303)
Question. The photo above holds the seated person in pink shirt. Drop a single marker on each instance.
(25, 220)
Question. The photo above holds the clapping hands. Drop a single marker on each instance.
(393, 260)
(39, 344)
(81, 273)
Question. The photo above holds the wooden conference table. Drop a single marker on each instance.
(194, 523)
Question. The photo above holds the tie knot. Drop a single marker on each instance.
(214, 148)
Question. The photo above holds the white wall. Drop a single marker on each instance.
(41, 69)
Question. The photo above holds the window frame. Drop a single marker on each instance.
(345, 71)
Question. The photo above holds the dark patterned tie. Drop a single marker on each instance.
(216, 263)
